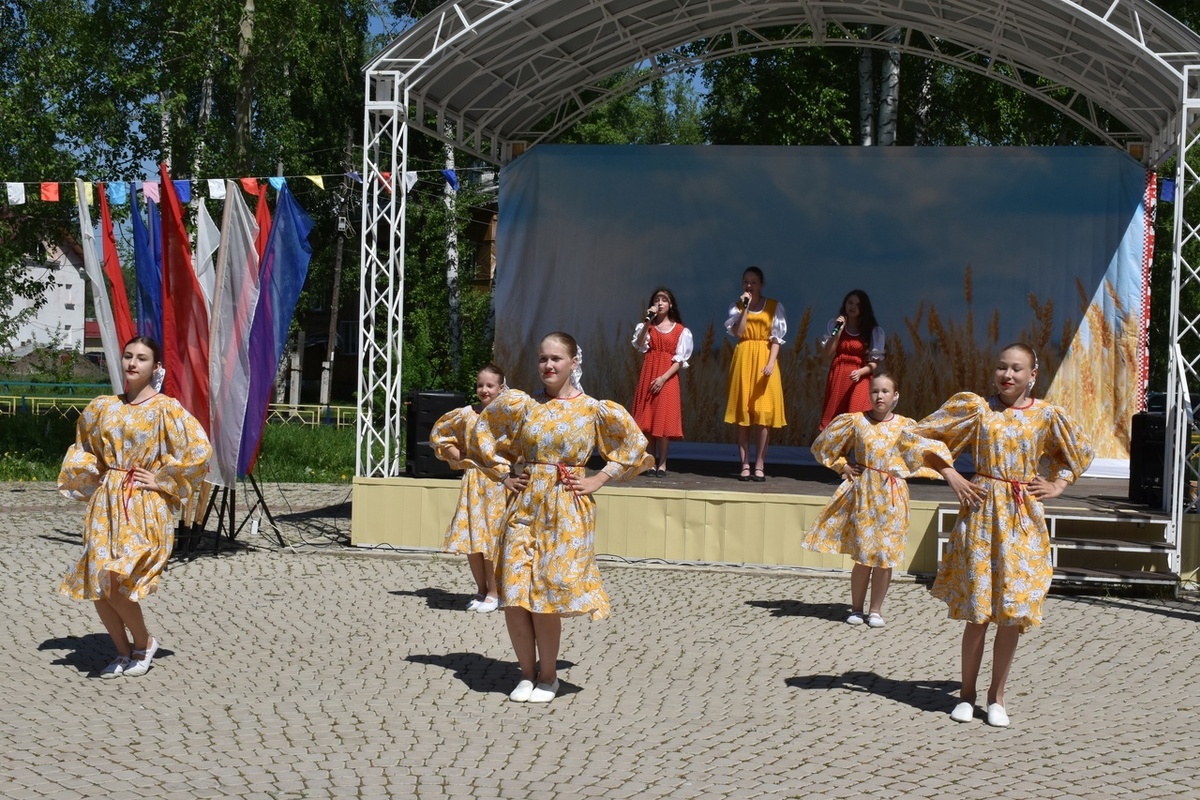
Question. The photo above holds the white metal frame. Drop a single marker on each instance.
(486, 75)
(1182, 472)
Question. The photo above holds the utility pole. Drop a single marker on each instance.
(343, 225)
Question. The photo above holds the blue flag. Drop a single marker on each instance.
(149, 276)
(281, 277)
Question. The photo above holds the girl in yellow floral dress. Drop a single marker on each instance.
(755, 398)
(997, 567)
(867, 517)
(546, 567)
(136, 459)
(475, 528)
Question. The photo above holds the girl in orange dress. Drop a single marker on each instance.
(538, 446)
(667, 346)
(755, 389)
(997, 567)
(475, 528)
(136, 459)
(856, 343)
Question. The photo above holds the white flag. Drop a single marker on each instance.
(234, 301)
(16, 194)
(208, 238)
(95, 273)
(216, 188)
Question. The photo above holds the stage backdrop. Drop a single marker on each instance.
(961, 250)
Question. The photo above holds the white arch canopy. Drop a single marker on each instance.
(493, 77)
(497, 71)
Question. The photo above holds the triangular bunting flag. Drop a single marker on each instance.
(317, 179)
(277, 183)
(250, 186)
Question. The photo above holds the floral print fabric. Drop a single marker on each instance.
(547, 561)
(867, 518)
(997, 565)
(475, 527)
(129, 531)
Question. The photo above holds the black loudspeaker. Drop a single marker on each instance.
(1147, 447)
(424, 409)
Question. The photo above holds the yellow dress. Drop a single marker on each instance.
(547, 561)
(127, 530)
(867, 518)
(753, 399)
(997, 565)
(475, 527)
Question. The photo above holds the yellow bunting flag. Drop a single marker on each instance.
(319, 180)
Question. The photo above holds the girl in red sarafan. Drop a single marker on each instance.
(667, 345)
(856, 343)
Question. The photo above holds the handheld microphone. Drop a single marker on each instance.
(742, 302)
(649, 315)
(837, 327)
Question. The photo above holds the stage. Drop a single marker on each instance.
(700, 513)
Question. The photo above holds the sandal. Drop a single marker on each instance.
(745, 476)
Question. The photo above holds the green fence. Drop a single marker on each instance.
(64, 405)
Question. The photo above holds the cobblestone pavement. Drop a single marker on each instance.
(327, 672)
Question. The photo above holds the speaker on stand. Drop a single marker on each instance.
(424, 409)
(1147, 449)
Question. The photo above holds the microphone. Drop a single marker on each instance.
(837, 327)
(649, 314)
(742, 302)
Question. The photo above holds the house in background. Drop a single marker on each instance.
(60, 320)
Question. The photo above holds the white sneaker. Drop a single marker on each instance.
(875, 620)
(487, 604)
(855, 618)
(522, 693)
(997, 717)
(140, 663)
(544, 693)
(117, 668)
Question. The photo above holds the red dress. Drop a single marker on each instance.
(659, 415)
(843, 395)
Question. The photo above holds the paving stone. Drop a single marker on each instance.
(326, 671)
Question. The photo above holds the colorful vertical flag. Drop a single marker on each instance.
(104, 317)
(208, 239)
(235, 299)
(185, 318)
(284, 268)
(116, 279)
(149, 276)
(262, 215)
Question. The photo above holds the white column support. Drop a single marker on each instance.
(1183, 377)
(381, 288)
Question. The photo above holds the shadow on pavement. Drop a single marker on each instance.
(439, 599)
(923, 695)
(89, 653)
(484, 674)
(834, 612)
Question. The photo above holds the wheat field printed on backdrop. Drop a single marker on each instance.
(1088, 365)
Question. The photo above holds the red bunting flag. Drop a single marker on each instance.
(262, 215)
(185, 316)
(250, 185)
(122, 319)
(50, 192)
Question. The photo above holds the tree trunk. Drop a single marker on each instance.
(866, 98)
(449, 197)
(924, 104)
(889, 90)
(245, 90)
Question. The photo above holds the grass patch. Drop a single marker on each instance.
(32, 449)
